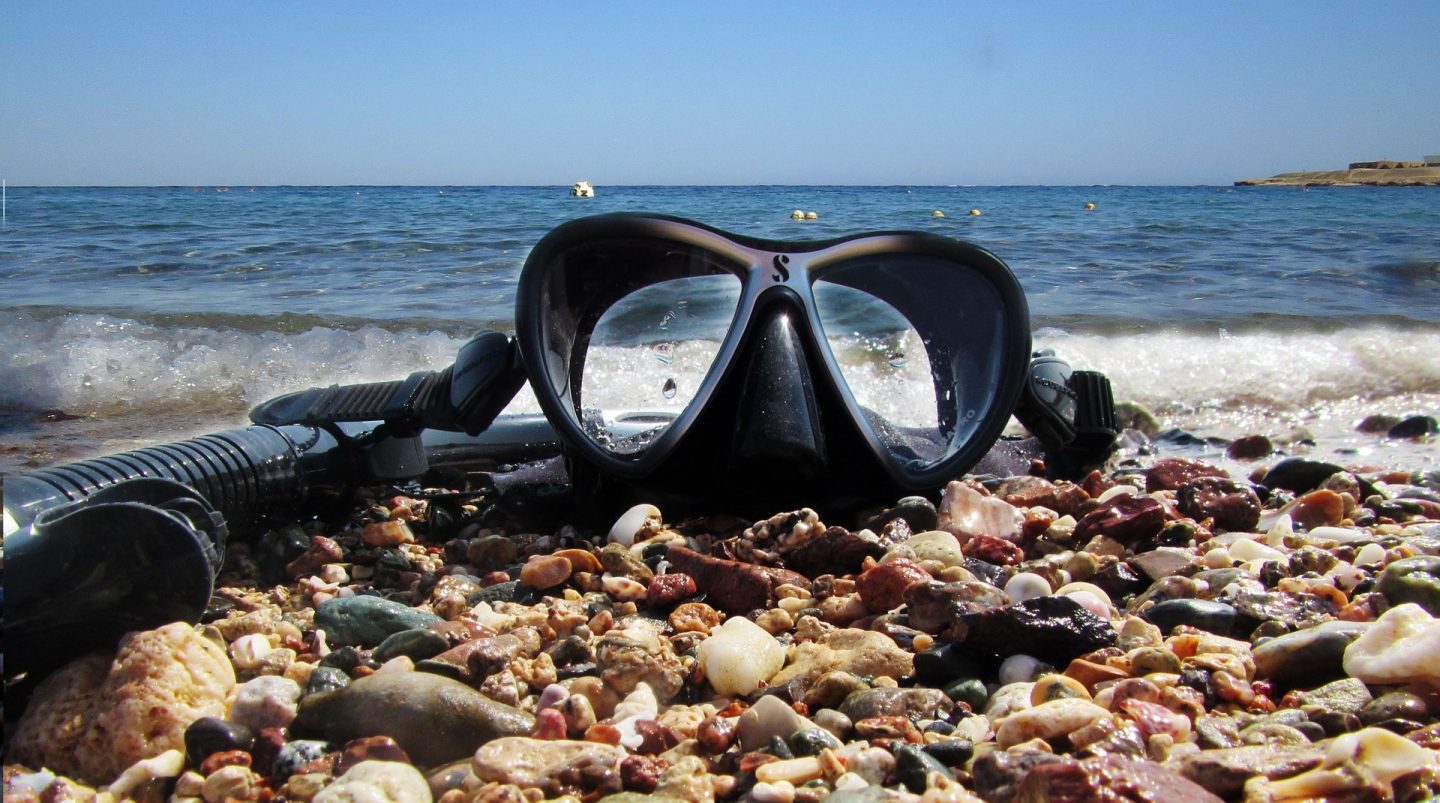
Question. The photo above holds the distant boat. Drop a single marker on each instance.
(583, 189)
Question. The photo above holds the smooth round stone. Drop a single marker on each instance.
(1414, 427)
(491, 553)
(545, 571)
(1212, 617)
(969, 690)
(367, 620)
(1021, 669)
(391, 781)
(1394, 705)
(325, 678)
(1414, 580)
(1307, 657)
(419, 644)
(1299, 475)
(834, 722)
(951, 752)
(810, 741)
(1147, 660)
(268, 701)
(913, 766)
(1026, 585)
(885, 701)
(209, 735)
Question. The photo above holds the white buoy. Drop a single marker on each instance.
(582, 189)
(798, 214)
(937, 213)
(811, 216)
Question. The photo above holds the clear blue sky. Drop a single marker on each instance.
(172, 92)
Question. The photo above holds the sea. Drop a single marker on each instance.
(134, 316)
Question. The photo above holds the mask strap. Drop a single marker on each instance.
(1072, 413)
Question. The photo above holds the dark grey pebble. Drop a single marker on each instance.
(810, 741)
(1298, 474)
(1416, 426)
(366, 620)
(917, 511)
(209, 735)
(1394, 705)
(326, 678)
(913, 766)
(417, 643)
(1212, 617)
(951, 752)
(500, 592)
(889, 701)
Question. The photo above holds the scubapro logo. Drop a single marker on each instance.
(782, 273)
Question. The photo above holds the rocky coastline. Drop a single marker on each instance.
(1161, 630)
(1384, 173)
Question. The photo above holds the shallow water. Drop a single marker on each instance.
(157, 312)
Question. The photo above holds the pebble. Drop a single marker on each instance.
(434, 719)
(1399, 648)
(366, 621)
(635, 524)
(739, 656)
(391, 532)
(1214, 617)
(545, 571)
(265, 702)
(899, 634)
(1415, 580)
(377, 781)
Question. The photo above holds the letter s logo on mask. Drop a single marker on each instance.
(782, 273)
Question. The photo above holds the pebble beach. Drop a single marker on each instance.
(1164, 629)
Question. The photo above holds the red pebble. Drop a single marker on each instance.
(993, 550)
(654, 737)
(715, 734)
(550, 725)
(494, 579)
(882, 586)
(667, 589)
(322, 551)
(227, 758)
(369, 748)
(1124, 518)
(1169, 473)
(642, 773)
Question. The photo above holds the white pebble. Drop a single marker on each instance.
(850, 782)
(334, 574)
(377, 782)
(633, 522)
(168, 764)
(268, 701)
(739, 656)
(1372, 554)
(1400, 647)
(1118, 490)
(1340, 535)
(1218, 558)
(776, 792)
(1026, 585)
(638, 704)
(249, 652)
(1247, 550)
(1020, 668)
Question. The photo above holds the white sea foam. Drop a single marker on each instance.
(1225, 385)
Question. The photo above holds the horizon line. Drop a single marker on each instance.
(549, 185)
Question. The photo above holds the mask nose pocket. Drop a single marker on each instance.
(779, 416)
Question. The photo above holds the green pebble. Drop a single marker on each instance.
(417, 643)
(1414, 580)
(913, 767)
(968, 690)
(810, 741)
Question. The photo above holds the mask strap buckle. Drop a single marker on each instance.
(1071, 412)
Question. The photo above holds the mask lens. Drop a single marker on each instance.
(650, 321)
(919, 344)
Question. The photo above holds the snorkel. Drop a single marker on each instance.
(772, 418)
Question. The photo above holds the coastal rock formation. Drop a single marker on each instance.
(1383, 173)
